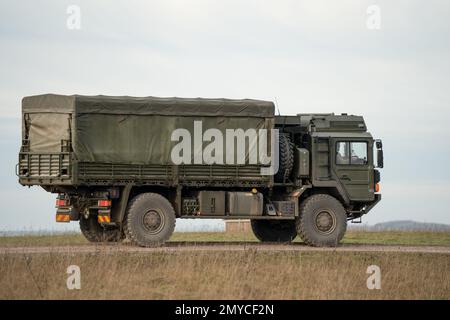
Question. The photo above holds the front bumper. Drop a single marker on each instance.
(372, 204)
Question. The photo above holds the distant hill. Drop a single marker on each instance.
(404, 225)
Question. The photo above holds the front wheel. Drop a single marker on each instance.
(322, 221)
(274, 230)
(150, 220)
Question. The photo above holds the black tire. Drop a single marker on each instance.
(285, 159)
(322, 221)
(274, 230)
(150, 220)
(94, 232)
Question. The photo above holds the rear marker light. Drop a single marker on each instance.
(62, 218)
(104, 219)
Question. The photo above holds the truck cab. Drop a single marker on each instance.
(343, 156)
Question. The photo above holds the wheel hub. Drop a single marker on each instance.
(153, 221)
(325, 222)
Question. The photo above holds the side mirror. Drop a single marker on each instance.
(380, 159)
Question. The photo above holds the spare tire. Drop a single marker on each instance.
(285, 159)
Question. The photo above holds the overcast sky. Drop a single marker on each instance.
(309, 56)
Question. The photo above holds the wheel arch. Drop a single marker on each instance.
(331, 191)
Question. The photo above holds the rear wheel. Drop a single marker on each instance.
(274, 230)
(95, 232)
(322, 221)
(150, 220)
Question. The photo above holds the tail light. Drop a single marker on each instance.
(61, 202)
(104, 203)
(63, 208)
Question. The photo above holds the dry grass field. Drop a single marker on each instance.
(226, 275)
(247, 274)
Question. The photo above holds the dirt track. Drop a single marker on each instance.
(220, 246)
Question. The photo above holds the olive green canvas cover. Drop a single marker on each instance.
(128, 129)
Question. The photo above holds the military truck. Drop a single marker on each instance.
(128, 167)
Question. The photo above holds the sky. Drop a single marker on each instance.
(307, 56)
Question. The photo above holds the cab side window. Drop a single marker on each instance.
(351, 153)
(358, 153)
(342, 153)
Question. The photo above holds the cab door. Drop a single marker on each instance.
(353, 167)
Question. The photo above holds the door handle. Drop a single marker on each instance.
(345, 177)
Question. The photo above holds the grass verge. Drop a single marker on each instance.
(353, 237)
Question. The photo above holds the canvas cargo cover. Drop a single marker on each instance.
(147, 106)
(132, 130)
